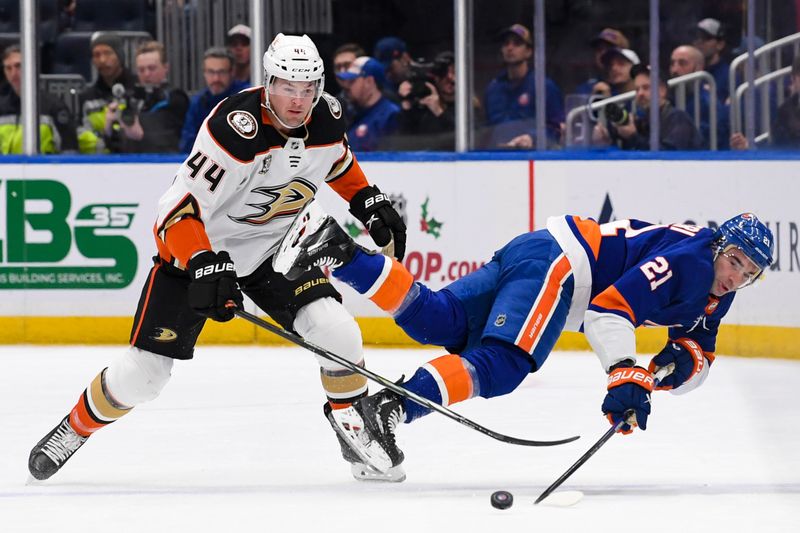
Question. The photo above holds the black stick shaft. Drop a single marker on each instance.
(296, 339)
(627, 418)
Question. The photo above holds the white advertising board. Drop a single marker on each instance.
(705, 193)
(63, 250)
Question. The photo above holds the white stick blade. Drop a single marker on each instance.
(564, 498)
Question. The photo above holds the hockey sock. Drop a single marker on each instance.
(380, 278)
(343, 386)
(445, 380)
(95, 409)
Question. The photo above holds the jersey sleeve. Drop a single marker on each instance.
(346, 176)
(208, 177)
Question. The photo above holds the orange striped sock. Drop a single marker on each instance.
(94, 410)
(391, 287)
(452, 377)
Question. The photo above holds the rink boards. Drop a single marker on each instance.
(76, 238)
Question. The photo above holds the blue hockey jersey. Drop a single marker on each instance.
(630, 273)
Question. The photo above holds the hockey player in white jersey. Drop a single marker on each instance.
(260, 156)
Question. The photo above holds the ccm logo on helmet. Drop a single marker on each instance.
(211, 269)
(369, 202)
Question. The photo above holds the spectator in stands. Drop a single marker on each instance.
(427, 117)
(618, 63)
(238, 43)
(376, 115)
(109, 61)
(677, 130)
(603, 41)
(710, 40)
(220, 84)
(510, 99)
(392, 52)
(56, 126)
(343, 57)
(685, 60)
(785, 133)
(149, 118)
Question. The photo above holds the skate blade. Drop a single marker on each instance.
(362, 472)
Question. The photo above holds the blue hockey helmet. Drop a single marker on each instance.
(751, 236)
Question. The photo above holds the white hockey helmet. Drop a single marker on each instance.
(294, 58)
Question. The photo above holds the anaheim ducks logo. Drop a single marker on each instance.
(333, 105)
(164, 335)
(282, 201)
(243, 123)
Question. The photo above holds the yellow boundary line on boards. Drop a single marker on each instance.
(748, 341)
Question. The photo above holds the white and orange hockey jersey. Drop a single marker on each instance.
(244, 181)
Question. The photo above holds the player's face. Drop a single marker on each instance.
(732, 270)
(292, 100)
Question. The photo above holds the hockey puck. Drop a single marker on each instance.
(502, 499)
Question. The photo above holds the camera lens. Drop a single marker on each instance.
(616, 115)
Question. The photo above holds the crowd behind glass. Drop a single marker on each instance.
(395, 100)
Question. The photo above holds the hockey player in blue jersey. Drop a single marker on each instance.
(500, 322)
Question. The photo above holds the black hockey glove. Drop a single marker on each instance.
(374, 209)
(213, 286)
(629, 388)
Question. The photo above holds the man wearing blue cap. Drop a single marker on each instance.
(510, 99)
(376, 115)
(392, 52)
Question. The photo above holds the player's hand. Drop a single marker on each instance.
(690, 363)
(374, 209)
(213, 291)
(629, 388)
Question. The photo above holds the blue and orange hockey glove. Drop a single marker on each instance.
(691, 365)
(629, 388)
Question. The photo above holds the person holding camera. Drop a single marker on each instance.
(148, 118)
(427, 118)
(376, 115)
(109, 61)
(630, 131)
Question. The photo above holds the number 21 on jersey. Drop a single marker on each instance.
(657, 271)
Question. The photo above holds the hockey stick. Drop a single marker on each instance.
(296, 339)
(630, 415)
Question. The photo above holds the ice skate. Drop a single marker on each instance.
(368, 427)
(314, 239)
(360, 470)
(55, 449)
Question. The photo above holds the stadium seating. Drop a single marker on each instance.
(72, 54)
(9, 16)
(120, 15)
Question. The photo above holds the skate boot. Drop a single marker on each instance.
(360, 470)
(314, 239)
(368, 428)
(55, 449)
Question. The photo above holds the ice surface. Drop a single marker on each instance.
(237, 443)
